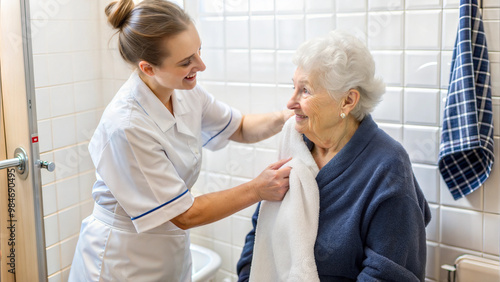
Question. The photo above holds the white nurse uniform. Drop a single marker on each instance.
(146, 161)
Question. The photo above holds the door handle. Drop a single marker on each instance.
(21, 163)
(50, 166)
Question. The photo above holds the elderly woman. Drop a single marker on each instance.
(372, 213)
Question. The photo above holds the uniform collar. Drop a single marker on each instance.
(154, 108)
(181, 111)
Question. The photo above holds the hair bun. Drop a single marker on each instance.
(118, 12)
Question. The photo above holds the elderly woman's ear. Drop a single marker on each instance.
(350, 101)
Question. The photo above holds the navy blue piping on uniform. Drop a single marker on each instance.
(150, 211)
(230, 119)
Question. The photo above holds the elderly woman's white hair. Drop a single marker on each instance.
(340, 62)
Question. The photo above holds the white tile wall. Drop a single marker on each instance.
(236, 6)
(63, 131)
(45, 135)
(62, 100)
(390, 108)
(86, 122)
(247, 47)
(432, 229)
(432, 267)
(491, 234)
(68, 192)
(238, 65)
(237, 32)
(450, 23)
(390, 66)
(423, 24)
(421, 143)
(49, 199)
(428, 178)
(243, 92)
(386, 30)
(67, 251)
(461, 228)
(421, 106)
(53, 259)
(421, 69)
(423, 4)
(240, 227)
(319, 6)
(495, 72)
(263, 64)
(51, 229)
(262, 98)
(352, 22)
(283, 6)
(493, 41)
(245, 164)
(261, 6)
(214, 58)
(351, 6)
(69, 226)
(87, 95)
(291, 32)
(446, 57)
(211, 7)
(43, 99)
(285, 67)
(41, 74)
(214, 29)
(58, 68)
(318, 25)
(385, 5)
(491, 192)
(262, 32)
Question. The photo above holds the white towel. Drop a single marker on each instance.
(286, 231)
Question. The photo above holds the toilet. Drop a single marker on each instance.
(469, 268)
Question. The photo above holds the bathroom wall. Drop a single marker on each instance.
(247, 47)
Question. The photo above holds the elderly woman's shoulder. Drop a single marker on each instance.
(391, 150)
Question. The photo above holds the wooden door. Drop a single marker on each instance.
(22, 242)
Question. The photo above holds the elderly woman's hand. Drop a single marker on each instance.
(272, 184)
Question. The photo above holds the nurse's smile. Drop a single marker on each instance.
(191, 77)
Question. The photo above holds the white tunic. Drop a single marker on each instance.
(146, 161)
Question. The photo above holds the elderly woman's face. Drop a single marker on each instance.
(316, 112)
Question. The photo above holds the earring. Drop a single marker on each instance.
(342, 115)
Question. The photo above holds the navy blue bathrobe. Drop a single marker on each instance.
(372, 215)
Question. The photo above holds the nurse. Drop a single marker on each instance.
(147, 153)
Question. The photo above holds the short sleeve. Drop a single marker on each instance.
(219, 121)
(141, 177)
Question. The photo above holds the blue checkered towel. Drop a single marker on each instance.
(466, 150)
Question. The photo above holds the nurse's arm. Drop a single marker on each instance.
(271, 185)
(256, 127)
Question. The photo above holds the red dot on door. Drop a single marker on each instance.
(34, 139)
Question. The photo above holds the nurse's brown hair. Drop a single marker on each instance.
(143, 28)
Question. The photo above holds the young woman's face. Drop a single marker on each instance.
(178, 70)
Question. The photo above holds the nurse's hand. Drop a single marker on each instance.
(272, 184)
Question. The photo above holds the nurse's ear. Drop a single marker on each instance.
(146, 68)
